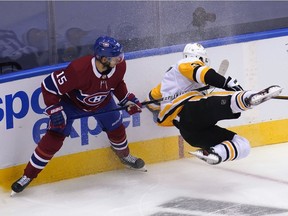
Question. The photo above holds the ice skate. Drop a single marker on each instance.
(132, 162)
(264, 95)
(19, 185)
(209, 156)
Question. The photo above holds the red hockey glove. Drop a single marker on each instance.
(132, 103)
(57, 116)
(232, 85)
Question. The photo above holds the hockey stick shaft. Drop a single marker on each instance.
(223, 67)
(87, 114)
(144, 103)
(168, 98)
(281, 97)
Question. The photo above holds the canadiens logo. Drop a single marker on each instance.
(95, 99)
(105, 44)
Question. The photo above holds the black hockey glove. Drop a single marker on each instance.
(232, 85)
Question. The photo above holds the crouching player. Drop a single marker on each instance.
(87, 85)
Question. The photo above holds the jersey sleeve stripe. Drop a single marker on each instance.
(200, 74)
(50, 85)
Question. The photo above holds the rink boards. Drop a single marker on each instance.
(87, 150)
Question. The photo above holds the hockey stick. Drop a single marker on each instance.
(280, 97)
(223, 67)
(222, 70)
(168, 98)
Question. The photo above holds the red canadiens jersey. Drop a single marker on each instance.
(83, 84)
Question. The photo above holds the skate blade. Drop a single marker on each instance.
(143, 169)
(12, 193)
(203, 157)
(276, 92)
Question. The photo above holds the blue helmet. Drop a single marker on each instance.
(107, 47)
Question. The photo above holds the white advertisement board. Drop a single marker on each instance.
(255, 64)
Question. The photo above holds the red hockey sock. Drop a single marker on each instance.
(118, 141)
(50, 143)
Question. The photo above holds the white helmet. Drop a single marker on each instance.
(196, 50)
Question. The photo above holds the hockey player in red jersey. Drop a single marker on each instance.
(196, 113)
(86, 85)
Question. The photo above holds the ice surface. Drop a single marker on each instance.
(256, 185)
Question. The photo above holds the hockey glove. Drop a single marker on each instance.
(57, 116)
(154, 107)
(232, 85)
(132, 103)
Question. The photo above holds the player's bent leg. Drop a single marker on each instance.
(228, 150)
(235, 149)
(50, 143)
(119, 145)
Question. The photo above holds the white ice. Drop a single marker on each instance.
(260, 180)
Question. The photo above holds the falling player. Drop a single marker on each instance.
(196, 114)
(86, 85)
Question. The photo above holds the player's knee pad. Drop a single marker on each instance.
(51, 142)
(237, 148)
(118, 135)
